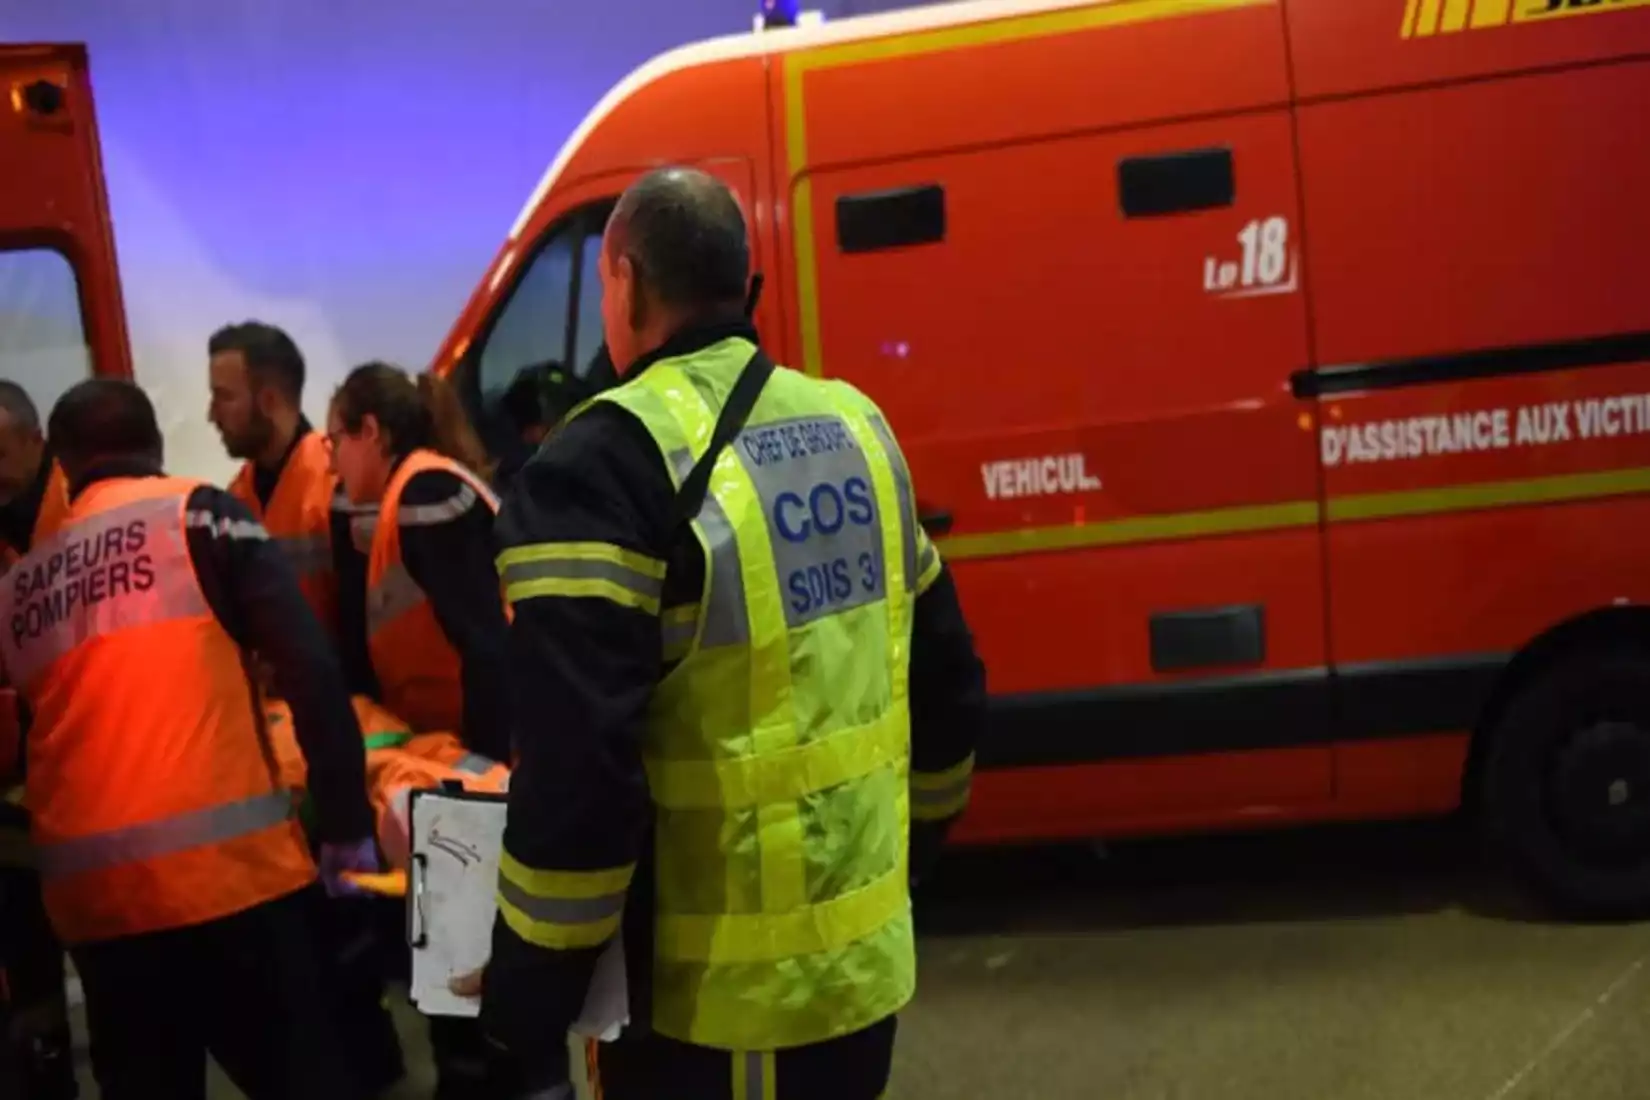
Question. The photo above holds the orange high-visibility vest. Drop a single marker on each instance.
(299, 519)
(154, 801)
(417, 667)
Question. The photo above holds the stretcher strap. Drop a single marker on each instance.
(387, 739)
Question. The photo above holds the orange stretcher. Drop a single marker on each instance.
(399, 761)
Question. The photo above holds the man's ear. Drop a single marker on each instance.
(267, 399)
(632, 288)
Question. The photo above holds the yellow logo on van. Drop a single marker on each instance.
(1425, 18)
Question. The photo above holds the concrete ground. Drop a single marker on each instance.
(1348, 964)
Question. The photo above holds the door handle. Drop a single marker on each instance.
(935, 522)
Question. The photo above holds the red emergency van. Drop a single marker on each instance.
(61, 316)
(1273, 374)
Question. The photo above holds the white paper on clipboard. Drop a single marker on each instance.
(456, 837)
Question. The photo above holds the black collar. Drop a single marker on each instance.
(264, 481)
(111, 469)
(689, 339)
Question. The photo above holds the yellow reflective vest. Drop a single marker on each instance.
(777, 750)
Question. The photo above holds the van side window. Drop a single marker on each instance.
(532, 327)
(549, 321)
(587, 332)
(42, 340)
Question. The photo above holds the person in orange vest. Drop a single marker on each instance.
(429, 602)
(423, 592)
(36, 1048)
(257, 378)
(256, 373)
(171, 862)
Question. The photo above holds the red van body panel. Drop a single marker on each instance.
(1274, 372)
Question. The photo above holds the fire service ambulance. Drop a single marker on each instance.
(1273, 374)
(1275, 377)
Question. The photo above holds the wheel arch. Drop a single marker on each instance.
(1622, 625)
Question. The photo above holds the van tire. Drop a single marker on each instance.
(1567, 783)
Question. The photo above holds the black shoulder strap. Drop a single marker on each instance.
(741, 400)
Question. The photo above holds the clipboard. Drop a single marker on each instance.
(455, 839)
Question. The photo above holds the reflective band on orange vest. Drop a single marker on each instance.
(153, 839)
(443, 511)
(363, 521)
(396, 592)
(127, 567)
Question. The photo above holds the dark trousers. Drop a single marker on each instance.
(244, 988)
(647, 1067)
(36, 1047)
(351, 949)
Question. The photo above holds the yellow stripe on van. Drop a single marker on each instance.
(1489, 494)
(932, 40)
(1356, 508)
(1135, 529)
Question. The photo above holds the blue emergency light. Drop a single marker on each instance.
(780, 13)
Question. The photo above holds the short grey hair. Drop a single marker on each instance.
(684, 233)
(17, 403)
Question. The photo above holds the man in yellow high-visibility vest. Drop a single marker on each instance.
(747, 701)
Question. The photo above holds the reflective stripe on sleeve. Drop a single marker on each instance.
(224, 527)
(936, 796)
(154, 839)
(582, 569)
(561, 909)
(754, 1075)
(442, 511)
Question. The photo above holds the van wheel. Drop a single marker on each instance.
(1567, 783)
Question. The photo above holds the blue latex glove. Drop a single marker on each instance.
(355, 855)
